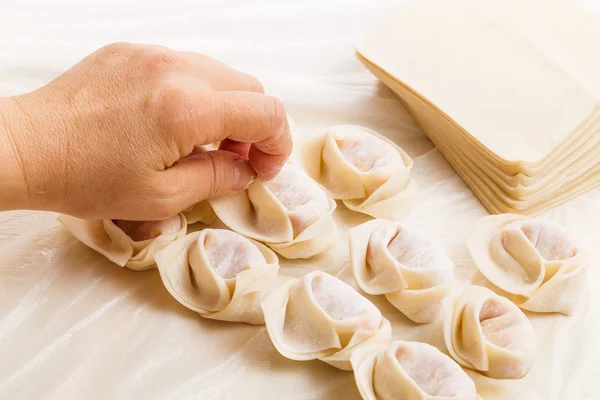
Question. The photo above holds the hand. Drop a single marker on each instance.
(118, 136)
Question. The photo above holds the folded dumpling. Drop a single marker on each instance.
(401, 263)
(291, 214)
(130, 244)
(369, 172)
(488, 333)
(538, 262)
(320, 317)
(219, 274)
(200, 212)
(409, 371)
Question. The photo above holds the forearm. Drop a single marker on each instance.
(13, 186)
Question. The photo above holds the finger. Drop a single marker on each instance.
(269, 165)
(257, 119)
(207, 175)
(240, 148)
(195, 151)
(221, 76)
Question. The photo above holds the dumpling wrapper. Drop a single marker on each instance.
(292, 214)
(435, 127)
(108, 239)
(537, 116)
(368, 171)
(538, 263)
(200, 212)
(320, 317)
(398, 261)
(409, 371)
(488, 333)
(219, 274)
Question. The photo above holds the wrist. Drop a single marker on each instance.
(32, 140)
(14, 193)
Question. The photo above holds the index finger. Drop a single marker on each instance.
(258, 119)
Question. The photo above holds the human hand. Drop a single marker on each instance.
(118, 135)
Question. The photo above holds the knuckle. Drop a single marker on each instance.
(181, 114)
(256, 85)
(162, 60)
(113, 53)
(218, 170)
(170, 105)
(203, 59)
(117, 47)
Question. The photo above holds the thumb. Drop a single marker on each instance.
(207, 175)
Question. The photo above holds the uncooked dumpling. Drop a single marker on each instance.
(291, 214)
(219, 274)
(130, 244)
(401, 263)
(200, 212)
(538, 262)
(409, 371)
(320, 317)
(369, 172)
(140, 231)
(488, 333)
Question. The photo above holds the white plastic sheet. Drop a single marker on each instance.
(74, 326)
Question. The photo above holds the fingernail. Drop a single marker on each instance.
(244, 174)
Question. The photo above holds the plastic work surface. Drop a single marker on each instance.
(75, 326)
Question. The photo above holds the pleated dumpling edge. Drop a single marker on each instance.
(409, 371)
(399, 261)
(128, 244)
(367, 171)
(537, 263)
(292, 214)
(488, 333)
(320, 317)
(219, 274)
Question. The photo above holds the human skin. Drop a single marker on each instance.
(118, 136)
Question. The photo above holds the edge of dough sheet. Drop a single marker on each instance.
(482, 193)
(546, 182)
(521, 183)
(558, 104)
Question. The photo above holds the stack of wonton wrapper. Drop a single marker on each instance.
(508, 90)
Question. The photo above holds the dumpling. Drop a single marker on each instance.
(291, 214)
(488, 333)
(320, 317)
(538, 262)
(401, 263)
(140, 231)
(369, 172)
(219, 274)
(409, 371)
(130, 244)
(200, 212)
